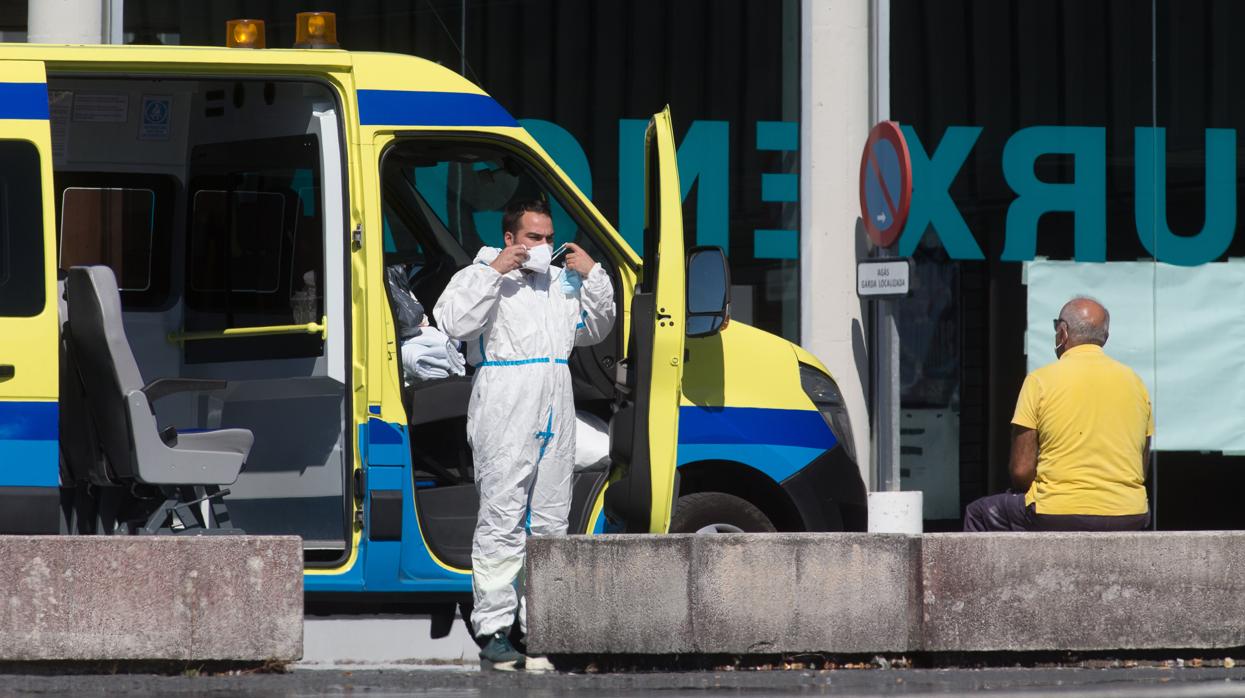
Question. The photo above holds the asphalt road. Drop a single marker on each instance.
(1099, 683)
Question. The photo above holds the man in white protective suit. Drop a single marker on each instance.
(519, 318)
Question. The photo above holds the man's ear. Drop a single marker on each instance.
(508, 238)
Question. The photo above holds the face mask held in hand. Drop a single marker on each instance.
(538, 259)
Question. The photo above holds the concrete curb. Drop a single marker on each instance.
(690, 594)
(1083, 591)
(885, 593)
(180, 598)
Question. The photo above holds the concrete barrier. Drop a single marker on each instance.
(95, 598)
(877, 593)
(1083, 591)
(738, 594)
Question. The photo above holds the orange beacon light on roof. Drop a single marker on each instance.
(316, 30)
(244, 33)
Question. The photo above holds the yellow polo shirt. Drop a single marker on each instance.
(1092, 415)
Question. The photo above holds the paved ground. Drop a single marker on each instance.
(382, 640)
(1098, 683)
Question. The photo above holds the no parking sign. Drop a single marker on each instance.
(885, 184)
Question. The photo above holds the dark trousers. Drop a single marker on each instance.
(1007, 512)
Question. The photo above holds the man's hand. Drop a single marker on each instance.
(578, 260)
(510, 259)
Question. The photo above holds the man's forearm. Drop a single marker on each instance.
(1023, 457)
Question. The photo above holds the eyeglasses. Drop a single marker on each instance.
(1056, 322)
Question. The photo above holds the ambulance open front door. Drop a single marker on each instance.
(644, 431)
(29, 464)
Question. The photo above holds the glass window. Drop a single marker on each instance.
(308, 245)
(124, 221)
(465, 190)
(1017, 102)
(256, 229)
(255, 253)
(443, 201)
(113, 227)
(21, 230)
(248, 258)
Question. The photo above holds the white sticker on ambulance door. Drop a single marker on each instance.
(101, 107)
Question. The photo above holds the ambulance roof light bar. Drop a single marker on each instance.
(244, 33)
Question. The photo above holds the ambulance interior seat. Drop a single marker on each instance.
(186, 468)
(432, 278)
(91, 494)
(82, 461)
(436, 409)
(419, 247)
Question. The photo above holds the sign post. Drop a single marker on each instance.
(885, 198)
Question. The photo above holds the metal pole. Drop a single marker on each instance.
(114, 21)
(886, 414)
(886, 331)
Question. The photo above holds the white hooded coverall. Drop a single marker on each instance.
(519, 329)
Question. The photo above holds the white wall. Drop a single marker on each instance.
(834, 122)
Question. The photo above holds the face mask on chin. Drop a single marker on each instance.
(538, 259)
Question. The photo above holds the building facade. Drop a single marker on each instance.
(1058, 149)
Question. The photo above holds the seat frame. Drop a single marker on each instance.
(138, 464)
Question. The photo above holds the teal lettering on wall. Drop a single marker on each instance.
(1150, 152)
(566, 151)
(433, 184)
(931, 193)
(631, 181)
(704, 160)
(1085, 196)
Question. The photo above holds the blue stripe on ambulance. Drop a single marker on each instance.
(29, 444)
(776, 442)
(23, 100)
(411, 108)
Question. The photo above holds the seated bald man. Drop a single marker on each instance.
(1080, 439)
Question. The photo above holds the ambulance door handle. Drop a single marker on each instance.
(7, 371)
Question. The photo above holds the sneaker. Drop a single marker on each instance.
(536, 664)
(499, 655)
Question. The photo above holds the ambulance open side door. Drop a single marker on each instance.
(645, 428)
(29, 370)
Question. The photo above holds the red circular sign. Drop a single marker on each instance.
(885, 184)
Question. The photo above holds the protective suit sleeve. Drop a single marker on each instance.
(467, 303)
(596, 304)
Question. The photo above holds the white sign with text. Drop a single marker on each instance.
(881, 278)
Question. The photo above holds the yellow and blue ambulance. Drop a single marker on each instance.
(247, 204)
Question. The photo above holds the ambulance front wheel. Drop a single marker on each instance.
(718, 512)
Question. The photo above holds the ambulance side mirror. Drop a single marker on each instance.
(708, 291)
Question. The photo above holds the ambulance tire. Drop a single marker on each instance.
(718, 512)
